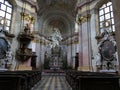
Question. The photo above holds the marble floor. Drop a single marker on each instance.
(52, 82)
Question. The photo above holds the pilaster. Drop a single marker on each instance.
(83, 22)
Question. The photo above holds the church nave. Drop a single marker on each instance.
(59, 44)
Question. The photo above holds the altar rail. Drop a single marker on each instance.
(80, 80)
(19, 80)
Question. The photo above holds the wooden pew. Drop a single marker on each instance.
(20, 80)
(80, 80)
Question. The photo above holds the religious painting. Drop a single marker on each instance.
(107, 50)
(3, 47)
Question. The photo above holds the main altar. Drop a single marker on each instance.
(53, 50)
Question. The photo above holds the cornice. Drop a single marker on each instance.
(32, 3)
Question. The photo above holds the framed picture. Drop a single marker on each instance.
(107, 50)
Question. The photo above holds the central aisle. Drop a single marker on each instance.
(52, 82)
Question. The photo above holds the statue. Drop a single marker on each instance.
(98, 59)
(55, 37)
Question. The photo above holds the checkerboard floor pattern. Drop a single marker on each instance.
(52, 82)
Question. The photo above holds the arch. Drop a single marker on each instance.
(100, 3)
(12, 2)
(57, 15)
(58, 18)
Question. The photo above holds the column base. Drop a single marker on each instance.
(84, 68)
(23, 67)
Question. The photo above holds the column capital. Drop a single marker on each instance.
(83, 19)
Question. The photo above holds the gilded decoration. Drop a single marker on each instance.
(83, 19)
(28, 17)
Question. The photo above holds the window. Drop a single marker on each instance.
(106, 17)
(5, 15)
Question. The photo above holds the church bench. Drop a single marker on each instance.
(30, 77)
(71, 76)
(80, 80)
(11, 82)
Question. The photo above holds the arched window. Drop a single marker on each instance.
(5, 15)
(106, 18)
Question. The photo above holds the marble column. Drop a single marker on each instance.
(80, 46)
(74, 51)
(84, 43)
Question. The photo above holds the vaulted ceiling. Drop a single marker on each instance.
(67, 5)
(56, 13)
